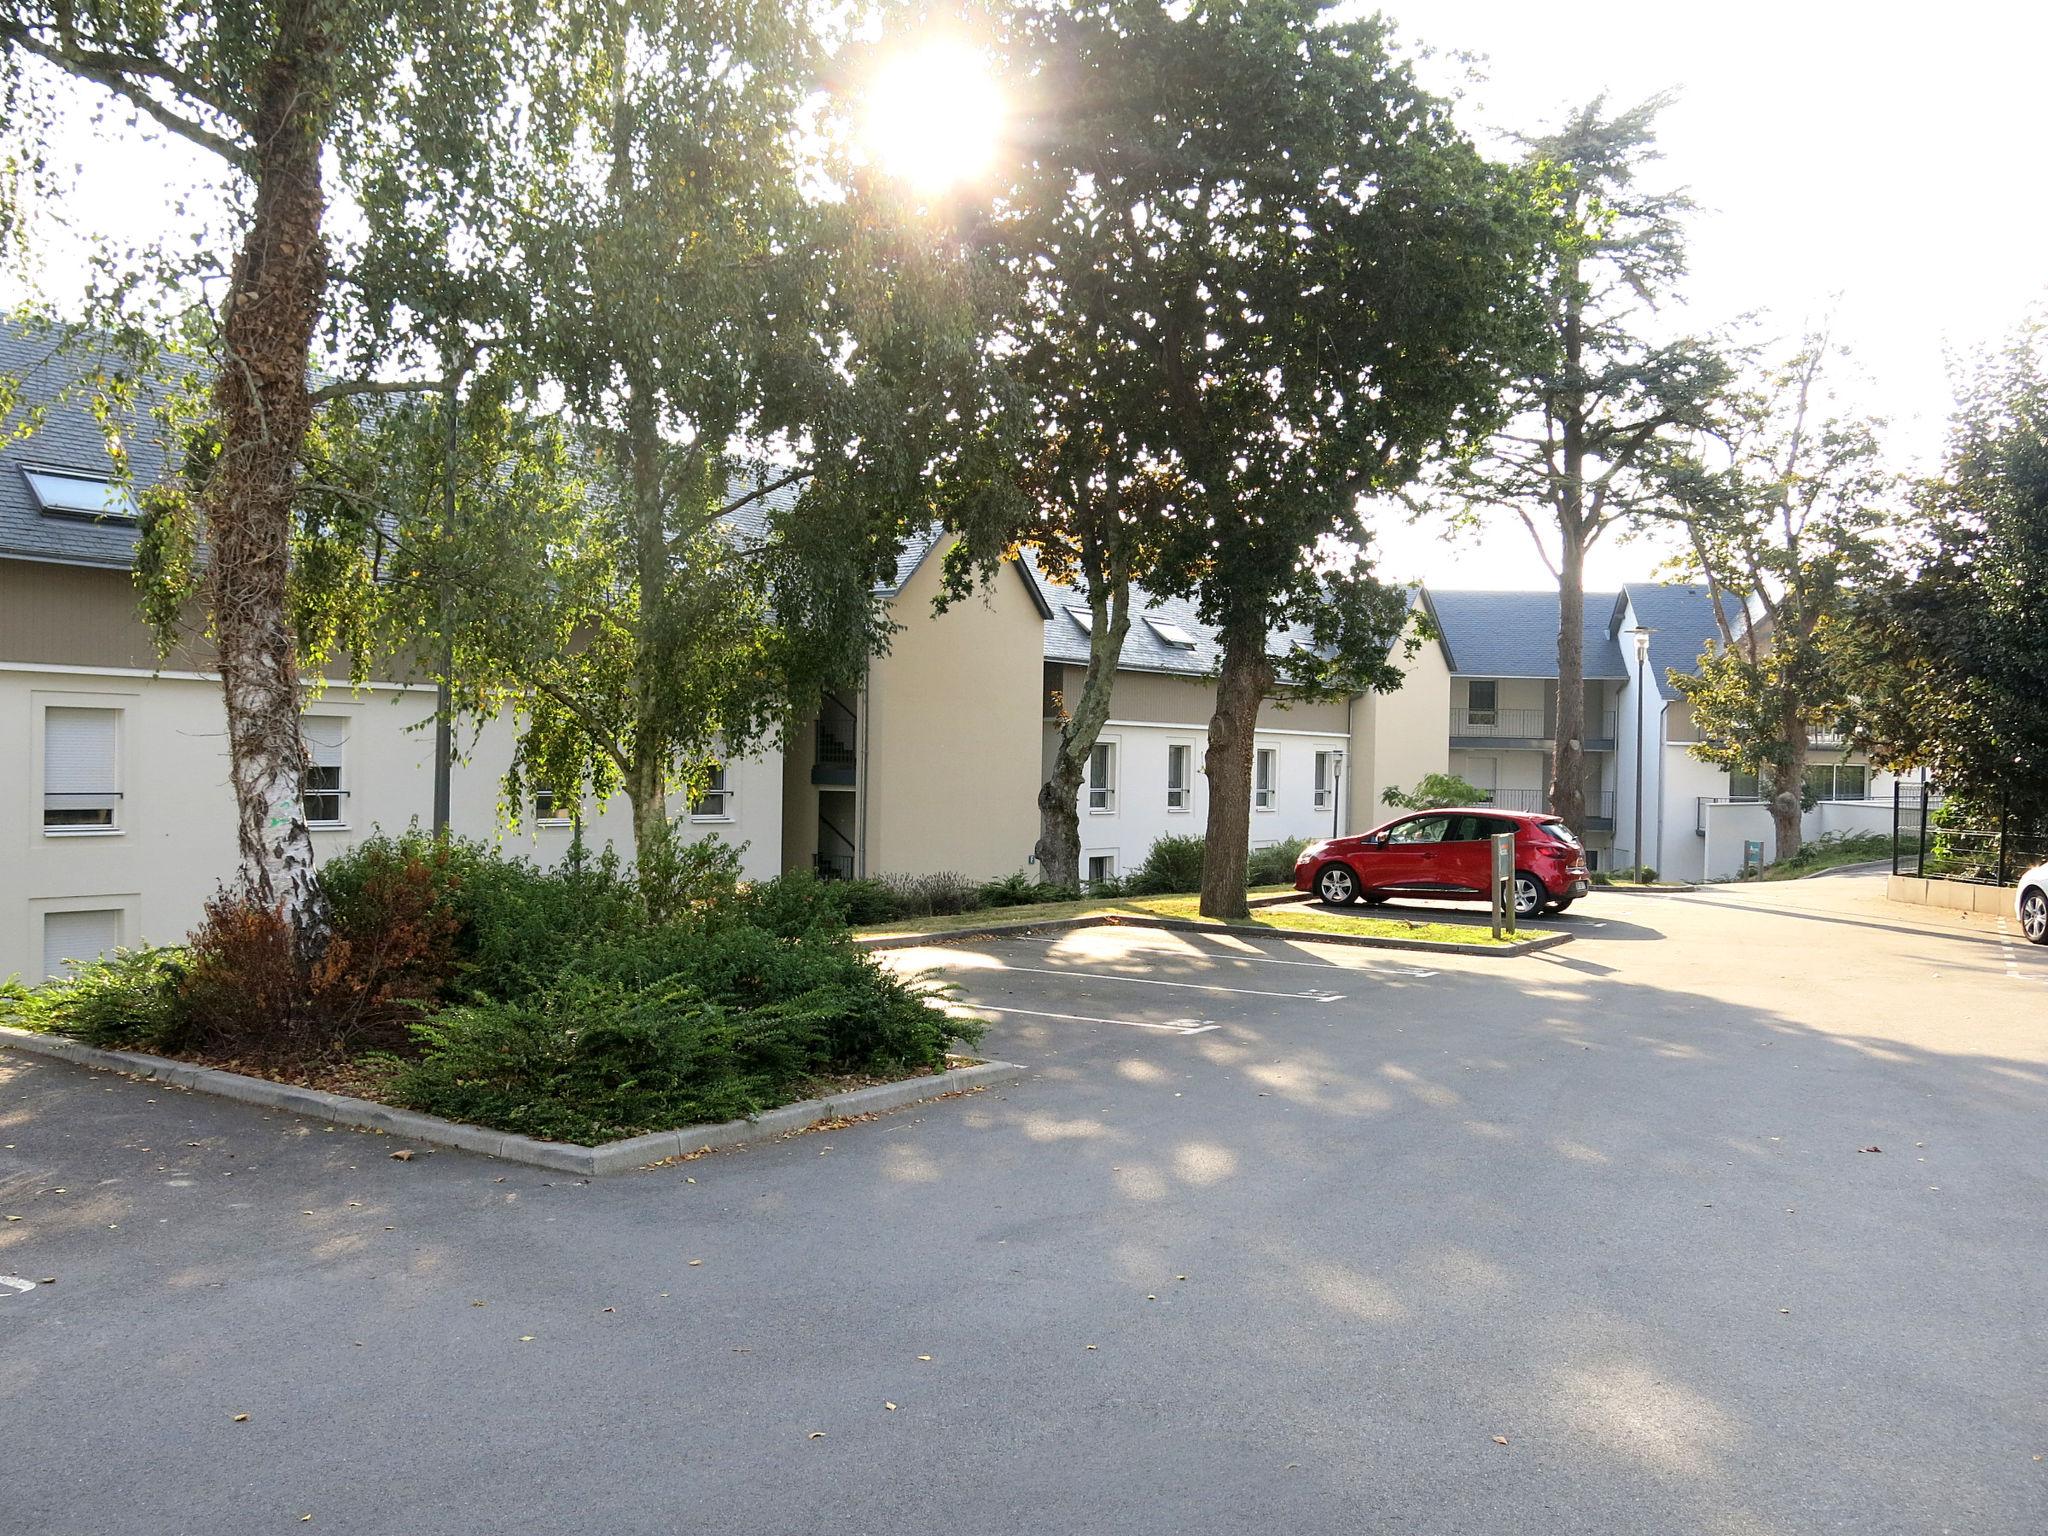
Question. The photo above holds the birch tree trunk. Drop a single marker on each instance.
(1245, 680)
(273, 302)
(1059, 817)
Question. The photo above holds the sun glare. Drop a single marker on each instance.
(933, 115)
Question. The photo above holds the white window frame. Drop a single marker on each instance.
(1186, 790)
(116, 706)
(719, 789)
(549, 818)
(1490, 714)
(1326, 778)
(1088, 859)
(1100, 798)
(339, 794)
(1268, 798)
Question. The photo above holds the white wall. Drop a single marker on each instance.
(174, 841)
(1140, 816)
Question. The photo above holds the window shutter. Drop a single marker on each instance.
(78, 751)
(325, 735)
(80, 936)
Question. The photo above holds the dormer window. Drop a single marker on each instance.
(72, 493)
(1084, 618)
(1171, 633)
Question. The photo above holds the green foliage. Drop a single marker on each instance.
(1432, 792)
(1020, 890)
(1275, 865)
(1789, 515)
(1173, 865)
(1948, 653)
(1831, 850)
(706, 1019)
(128, 998)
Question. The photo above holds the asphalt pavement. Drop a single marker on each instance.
(1726, 1217)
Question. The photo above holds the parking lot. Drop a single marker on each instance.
(1725, 1217)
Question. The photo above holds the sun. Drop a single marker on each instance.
(933, 115)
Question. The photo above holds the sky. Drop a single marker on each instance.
(1868, 165)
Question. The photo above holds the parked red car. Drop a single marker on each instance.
(1445, 856)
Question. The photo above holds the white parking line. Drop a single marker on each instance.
(16, 1283)
(1171, 1027)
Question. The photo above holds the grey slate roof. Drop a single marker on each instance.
(1514, 634)
(1681, 620)
(68, 439)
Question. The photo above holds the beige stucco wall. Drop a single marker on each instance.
(71, 615)
(1398, 737)
(1158, 698)
(953, 732)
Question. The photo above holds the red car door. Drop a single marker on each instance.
(1465, 855)
(1404, 856)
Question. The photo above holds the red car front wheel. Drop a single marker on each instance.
(1336, 886)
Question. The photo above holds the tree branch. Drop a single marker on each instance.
(113, 70)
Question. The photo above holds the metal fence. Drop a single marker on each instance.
(1930, 842)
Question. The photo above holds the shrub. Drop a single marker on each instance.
(1433, 791)
(706, 1018)
(128, 998)
(1020, 890)
(866, 901)
(1275, 865)
(1173, 866)
(676, 875)
(941, 894)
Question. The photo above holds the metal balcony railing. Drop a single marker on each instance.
(1524, 724)
(1599, 802)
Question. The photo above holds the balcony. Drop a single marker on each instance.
(1481, 728)
(1536, 802)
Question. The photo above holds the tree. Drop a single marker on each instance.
(600, 553)
(1786, 524)
(270, 89)
(1599, 420)
(1433, 791)
(1322, 282)
(1949, 650)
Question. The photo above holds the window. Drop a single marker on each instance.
(1102, 777)
(1481, 700)
(1101, 867)
(70, 493)
(1180, 762)
(1837, 781)
(1083, 618)
(81, 769)
(1171, 633)
(1743, 786)
(79, 936)
(545, 812)
(326, 793)
(714, 801)
(1326, 780)
(1423, 829)
(1265, 779)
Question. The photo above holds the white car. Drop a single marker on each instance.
(2032, 904)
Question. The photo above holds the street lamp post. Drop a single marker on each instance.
(1642, 635)
(1336, 794)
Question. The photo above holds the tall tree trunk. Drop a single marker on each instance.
(1059, 818)
(273, 302)
(1246, 679)
(1788, 789)
(1568, 762)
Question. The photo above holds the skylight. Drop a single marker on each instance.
(1171, 633)
(70, 494)
(1084, 618)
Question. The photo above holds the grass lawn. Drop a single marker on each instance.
(1833, 852)
(1279, 920)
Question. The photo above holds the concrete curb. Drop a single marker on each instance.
(563, 1157)
(1183, 925)
(1642, 890)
